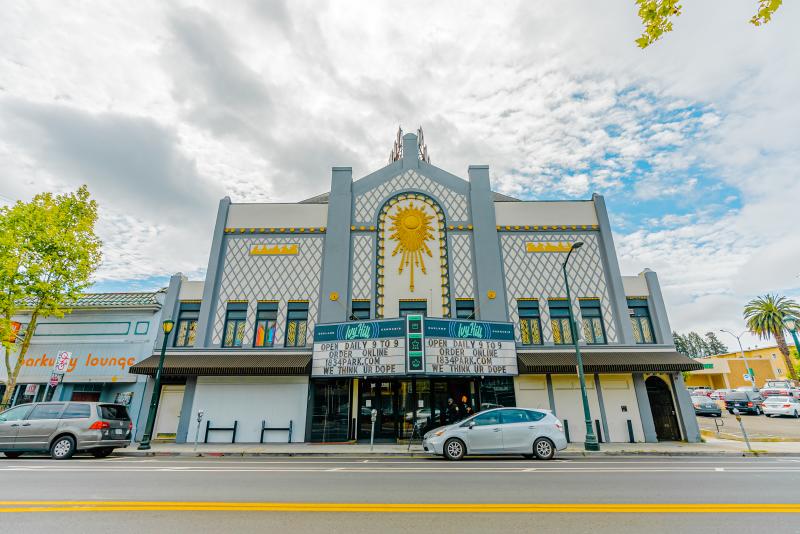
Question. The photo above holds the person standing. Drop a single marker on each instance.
(453, 412)
(466, 407)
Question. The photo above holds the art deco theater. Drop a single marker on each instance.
(419, 296)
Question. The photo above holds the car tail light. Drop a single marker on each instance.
(784, 392)
(787, 405)
(99, 425)
(130, 426)
(749, 404)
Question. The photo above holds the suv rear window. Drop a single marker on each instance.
(738, 395)
(113, 411)
(76, 410)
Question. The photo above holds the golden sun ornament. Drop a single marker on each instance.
(411, 228)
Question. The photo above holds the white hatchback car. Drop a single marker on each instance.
(774, 406)
(526, 432)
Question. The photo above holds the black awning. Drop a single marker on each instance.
(564, 362)
(228, 364)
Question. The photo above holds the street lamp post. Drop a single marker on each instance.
(744, 358)
(791, 325)
(151, 415)
(591, 443)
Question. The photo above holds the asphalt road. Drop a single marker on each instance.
(353, 495)
(756, 426)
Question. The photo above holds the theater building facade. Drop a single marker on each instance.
(419, 296)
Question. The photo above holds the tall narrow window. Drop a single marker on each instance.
(465, 309)
(592, 322)
(530, 325)
(235, 319)
(266, 315)
(296, 324)
(413, 307)
(559, 322)
(640, 321)
(187, 324)
(360, 310)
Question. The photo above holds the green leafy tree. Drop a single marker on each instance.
(697, 345)
(764, 317)
(714, 345)
(657, 17)
(48, 252)
(681, 345)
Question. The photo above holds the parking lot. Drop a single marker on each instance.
(758, 427)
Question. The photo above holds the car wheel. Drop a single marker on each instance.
(101, 453)
(12, 455)
(544, 449)
(62, 448)
(454, 449)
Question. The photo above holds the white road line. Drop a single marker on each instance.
(719, 469)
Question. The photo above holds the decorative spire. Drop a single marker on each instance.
(397, 147)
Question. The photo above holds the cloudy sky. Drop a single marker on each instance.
(164, 107)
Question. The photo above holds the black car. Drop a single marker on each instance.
(705, 406)
(745, 402)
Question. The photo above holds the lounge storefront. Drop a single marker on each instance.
(410, 371)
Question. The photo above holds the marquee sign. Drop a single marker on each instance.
(383, 348)
(360, 348)
(454, 347)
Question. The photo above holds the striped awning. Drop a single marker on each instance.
(564, 362)
(228, 364)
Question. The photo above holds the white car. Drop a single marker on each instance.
(775, 406)
(526, 432)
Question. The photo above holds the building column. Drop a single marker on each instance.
(205, 323)
(186, 410)
(336, 253)
(685, 409)
(658, 311)
(550, 395)
(169, 310)
(645, 414)
(144, 407)
(603, 419)
(489, 281)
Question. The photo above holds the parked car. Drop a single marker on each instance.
(745, 402)
(777, 406)
(499, 431)
(700, 392)
(720, 394)
(746, 388)
(781, 388)
(706, 406)
(64, 428)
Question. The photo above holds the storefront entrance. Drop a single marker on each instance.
(664, 417)
(400, 403)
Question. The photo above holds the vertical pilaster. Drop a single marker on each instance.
(205, 322)
(645, 413)
(410, 151)
(691, 430)
(489, 279)
(169, 309)
(616, 291)
(186, 410)
(336, 254)
(657, 308)
(603, 419)
(550, 395)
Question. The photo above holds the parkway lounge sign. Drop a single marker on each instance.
(380, 348)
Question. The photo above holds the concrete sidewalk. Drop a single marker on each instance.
(712, 447)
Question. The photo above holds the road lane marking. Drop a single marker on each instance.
(468, 508)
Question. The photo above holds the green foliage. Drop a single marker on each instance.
(656, 15)
(696, 346)
(48, 252)
(714, 345)
(764, 317)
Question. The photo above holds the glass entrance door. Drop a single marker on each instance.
(378, 395)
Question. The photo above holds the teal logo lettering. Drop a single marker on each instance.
(470, 330)
(359, 331)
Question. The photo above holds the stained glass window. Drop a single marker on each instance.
(187, 324)
(592, 322)
(235, 321)
(640, 321)
(530, 326)
(296, 324)
(266, 316)
(559, 322)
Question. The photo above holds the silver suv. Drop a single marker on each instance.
(64, 428)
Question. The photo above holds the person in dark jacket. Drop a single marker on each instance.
(466, 408)
(453, 411)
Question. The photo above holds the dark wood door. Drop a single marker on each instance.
(663, 409)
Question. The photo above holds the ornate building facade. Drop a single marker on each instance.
(406, 288)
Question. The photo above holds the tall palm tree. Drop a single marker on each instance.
(764, 317)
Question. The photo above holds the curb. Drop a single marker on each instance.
(570, 454)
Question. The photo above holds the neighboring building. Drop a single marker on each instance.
(253, 343)
(106, 333)
(726, 371)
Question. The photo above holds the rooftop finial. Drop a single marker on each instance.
(397, 147)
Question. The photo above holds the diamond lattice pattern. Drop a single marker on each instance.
(539, 275)
(460, 256)
(363, 267)
(367, 204)
(281, 278)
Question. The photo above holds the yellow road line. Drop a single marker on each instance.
(559, 508)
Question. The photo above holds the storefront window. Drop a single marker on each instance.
(530, 326)
(465, 309)
(330, 413)
(235, 319)
(266, 316)
(592, 322)
(497, 392)
(187, 324)
(296, 324)
(559, 322)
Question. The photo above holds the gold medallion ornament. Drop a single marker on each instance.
(411, 228)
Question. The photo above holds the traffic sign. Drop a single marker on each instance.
(747, 377)
(55, 378)
(62, 362)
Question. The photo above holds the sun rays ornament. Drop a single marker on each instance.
(411, 228)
